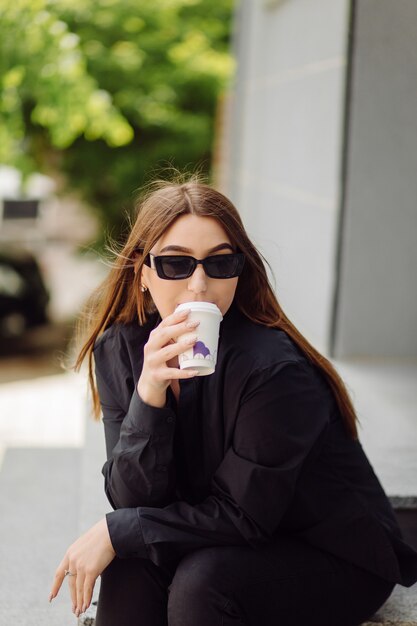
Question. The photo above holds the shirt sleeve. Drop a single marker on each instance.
(282, 416)
(139, 470)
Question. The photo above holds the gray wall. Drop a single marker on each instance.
(377, 305)
(287, 132)
(323, 165)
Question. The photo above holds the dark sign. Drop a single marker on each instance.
(20, 209)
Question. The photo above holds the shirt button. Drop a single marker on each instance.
(170, 419)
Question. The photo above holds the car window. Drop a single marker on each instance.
(11, 283)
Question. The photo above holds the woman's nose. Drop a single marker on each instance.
(197, 283)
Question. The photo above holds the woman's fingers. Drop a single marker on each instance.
(173, 372)
(84, 592)
(158, 362)
(174, 349)
(174, 318)
(59, 576)
(73, 590)
(159, 350)
(169, 324)
(159, 338)
(88, 592)
(162, 334)
(93, 547)
(79, 594)
(56, 585)
(80, 587)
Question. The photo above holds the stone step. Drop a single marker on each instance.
(406, 511)
(400, 609)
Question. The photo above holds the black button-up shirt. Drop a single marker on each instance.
(256, 449)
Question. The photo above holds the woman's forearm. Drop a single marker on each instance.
(141, 469)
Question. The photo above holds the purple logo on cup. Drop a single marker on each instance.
(201, 348)
(200, 351)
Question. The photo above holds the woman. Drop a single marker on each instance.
(243, 497)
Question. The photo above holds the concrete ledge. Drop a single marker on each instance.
(403, 502)
(389, 623)
(399, 610)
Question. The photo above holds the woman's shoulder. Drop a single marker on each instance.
(258, 345)
(116, 332)
(118, 353)
(253, 355)
(123, 336)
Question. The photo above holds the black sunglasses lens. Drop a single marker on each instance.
(175, 267)
(218, 266)
(224, 265)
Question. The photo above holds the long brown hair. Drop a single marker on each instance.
(120, 299)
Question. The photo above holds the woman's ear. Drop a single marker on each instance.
(136, 261)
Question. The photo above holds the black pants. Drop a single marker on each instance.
(286, 583)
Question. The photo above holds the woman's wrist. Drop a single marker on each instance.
(155, 398)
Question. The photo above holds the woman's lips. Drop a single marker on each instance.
(208, 302)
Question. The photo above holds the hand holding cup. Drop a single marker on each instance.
(162, 346)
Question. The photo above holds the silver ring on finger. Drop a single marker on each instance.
(68, 573)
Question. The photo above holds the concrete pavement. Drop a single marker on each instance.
(51, 491)
(384, 393)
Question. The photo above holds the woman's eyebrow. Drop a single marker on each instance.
(173, 248)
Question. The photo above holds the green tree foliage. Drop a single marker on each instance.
(45, 83)
(108, 89)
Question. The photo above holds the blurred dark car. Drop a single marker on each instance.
(23, 295)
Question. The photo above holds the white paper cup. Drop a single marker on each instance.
(202, 356)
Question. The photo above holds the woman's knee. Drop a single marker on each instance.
(200, 589)
(132, 592)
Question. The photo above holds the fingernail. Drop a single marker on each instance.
(192, 372)
(73, 608)
(192, 323)
(191, 339)
(51, 597)
(77, 613)
(184, 312)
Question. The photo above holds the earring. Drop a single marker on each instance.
(143, 288)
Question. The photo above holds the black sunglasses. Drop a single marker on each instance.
(180, 267)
